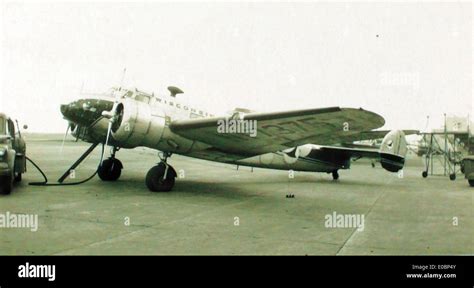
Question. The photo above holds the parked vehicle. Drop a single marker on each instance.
(12, 154)
(468, 168)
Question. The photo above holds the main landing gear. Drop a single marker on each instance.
(161, 177)
(335, 175)
(111, 168)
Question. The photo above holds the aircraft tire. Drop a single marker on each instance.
(154, 179)
(7, 185)
(110, 170)
(335, 175)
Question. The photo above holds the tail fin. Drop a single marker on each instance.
(393, 151)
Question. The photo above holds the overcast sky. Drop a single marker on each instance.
(403, 61)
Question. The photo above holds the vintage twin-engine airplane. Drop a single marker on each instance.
(279, 140)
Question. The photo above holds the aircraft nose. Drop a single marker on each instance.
(69, 111)
(64, 109)
(85, 111)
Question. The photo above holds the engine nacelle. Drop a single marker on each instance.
(138, 124)
(291, 155)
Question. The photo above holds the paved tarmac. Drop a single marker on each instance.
(216, 209)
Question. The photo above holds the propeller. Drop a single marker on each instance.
(64, 138)
(112, 115)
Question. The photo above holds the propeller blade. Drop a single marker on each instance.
(112, 116)
(64, 138)
(106, 142)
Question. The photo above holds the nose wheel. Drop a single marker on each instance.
(111, 168)
(161, 177)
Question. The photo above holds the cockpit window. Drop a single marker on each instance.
(142, 98)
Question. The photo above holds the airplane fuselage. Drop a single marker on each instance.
(148, 122)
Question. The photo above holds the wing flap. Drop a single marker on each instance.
(351, 152)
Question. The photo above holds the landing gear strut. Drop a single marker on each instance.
(111, 168)
(335, 175)
(160, 178)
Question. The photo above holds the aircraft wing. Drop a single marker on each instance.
(343, 152)
(379, 134)
(282, 130)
